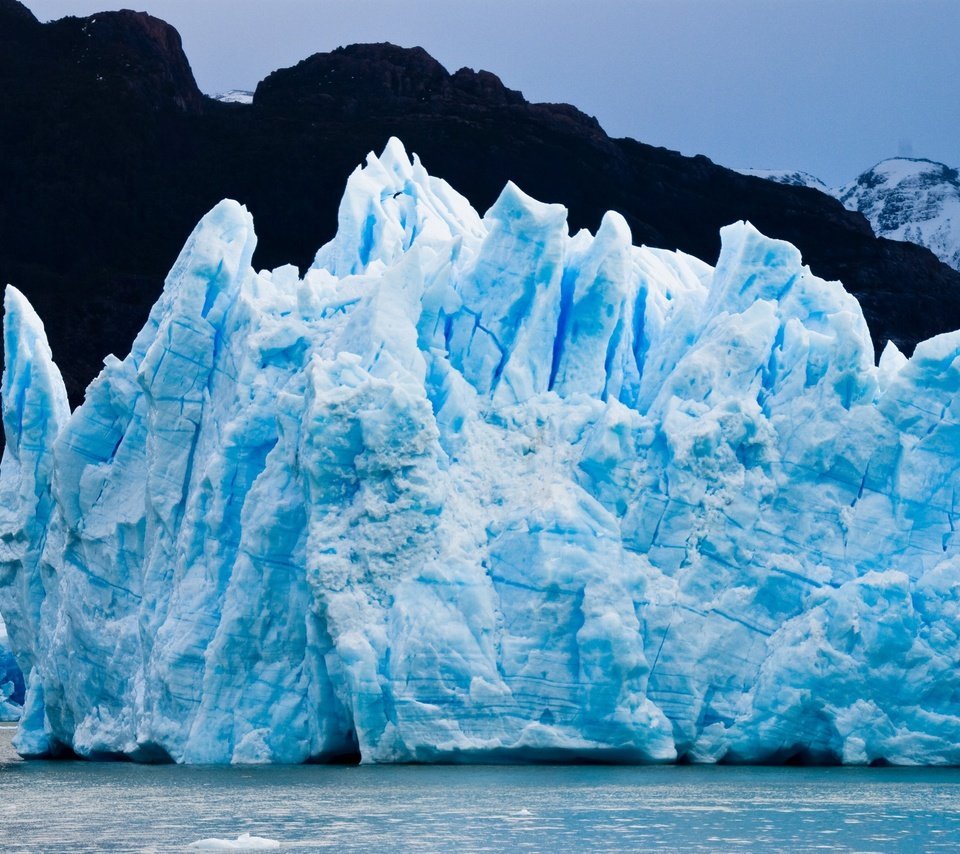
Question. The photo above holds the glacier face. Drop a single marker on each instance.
(477, 489)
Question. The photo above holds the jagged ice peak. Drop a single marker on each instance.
(476, 488)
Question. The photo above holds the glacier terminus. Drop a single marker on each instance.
(477, 489)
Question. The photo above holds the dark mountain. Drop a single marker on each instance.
(109, 155)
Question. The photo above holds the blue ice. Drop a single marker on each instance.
(476, 488)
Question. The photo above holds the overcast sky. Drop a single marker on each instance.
(827, 86)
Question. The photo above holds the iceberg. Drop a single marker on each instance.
(477, 489)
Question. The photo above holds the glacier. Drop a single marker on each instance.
(477, 489)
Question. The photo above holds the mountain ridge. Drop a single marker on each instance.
(101, 180)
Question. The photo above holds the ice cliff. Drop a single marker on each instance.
(474, 488)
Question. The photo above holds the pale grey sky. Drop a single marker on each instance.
(827, 86)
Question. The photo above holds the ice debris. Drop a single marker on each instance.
(244, 842)
(476, 488)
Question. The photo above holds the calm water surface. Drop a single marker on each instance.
(79, 806)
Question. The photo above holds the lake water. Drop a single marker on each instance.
(80, 806)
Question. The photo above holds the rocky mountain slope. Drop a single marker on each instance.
(109, 154)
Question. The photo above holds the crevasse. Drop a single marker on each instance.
(477, 489)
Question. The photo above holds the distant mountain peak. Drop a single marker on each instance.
(903, 166)
(913, 199)
(793, 178)
(234, 96)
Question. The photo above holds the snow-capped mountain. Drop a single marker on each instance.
(235, 96)
(910, 199)
(476, 488)
(796, 178)
(904, 198)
